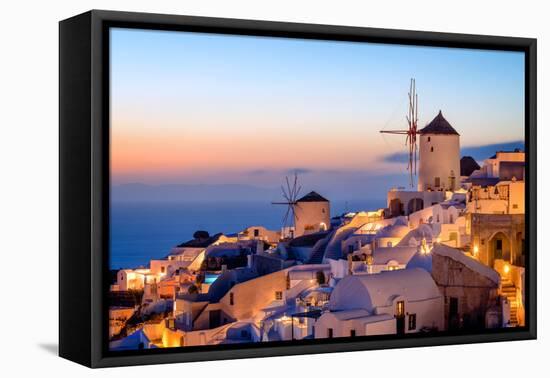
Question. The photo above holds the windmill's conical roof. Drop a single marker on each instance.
(313, 197)
(439, 125)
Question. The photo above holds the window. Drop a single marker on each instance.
(437, 182)
(171, 323)
(330, 333)
(278, 295)
(231, 299)
(431, 149)
(350, 248)
(352, 333)
(162, 268)
(256, 232)
(412, 322)
(515, 206)
(429, 139)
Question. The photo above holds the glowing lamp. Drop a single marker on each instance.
(506, 268)
(476, 250)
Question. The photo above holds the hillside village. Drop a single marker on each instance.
(448, 256)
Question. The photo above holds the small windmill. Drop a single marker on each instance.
(290, 194)
(412, 132)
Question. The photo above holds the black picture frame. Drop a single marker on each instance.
(84, 184)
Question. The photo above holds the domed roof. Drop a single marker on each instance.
(370, 291)
(393, 231)
(439, 125)
(423, 231)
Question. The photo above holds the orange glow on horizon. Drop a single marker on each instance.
(186, 149)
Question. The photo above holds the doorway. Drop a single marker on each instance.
(453, 313)
(499, 248)
(400, 317)
(215, 318)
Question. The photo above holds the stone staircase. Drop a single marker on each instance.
(509, 291)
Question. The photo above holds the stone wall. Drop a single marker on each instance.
(475, 293)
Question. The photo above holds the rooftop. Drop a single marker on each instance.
(313, 197)
(308, 240)
(439, 125)
(200, 243)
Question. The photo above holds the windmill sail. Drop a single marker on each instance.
(290, 190)
(411, 133)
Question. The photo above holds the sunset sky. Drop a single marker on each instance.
(193, 108)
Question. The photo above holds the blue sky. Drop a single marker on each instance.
(267, 104)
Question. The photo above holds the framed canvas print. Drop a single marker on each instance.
(234, 188)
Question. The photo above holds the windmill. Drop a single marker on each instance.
(412, 132)
(290, 193)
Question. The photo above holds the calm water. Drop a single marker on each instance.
(144, 231)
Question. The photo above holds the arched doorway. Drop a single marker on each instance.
(499, 248)
(396, 207)
(415, 204)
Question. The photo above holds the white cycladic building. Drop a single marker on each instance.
(401, 301)
(492, 166)
(439, 156)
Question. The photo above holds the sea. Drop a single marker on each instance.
(141, 231)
